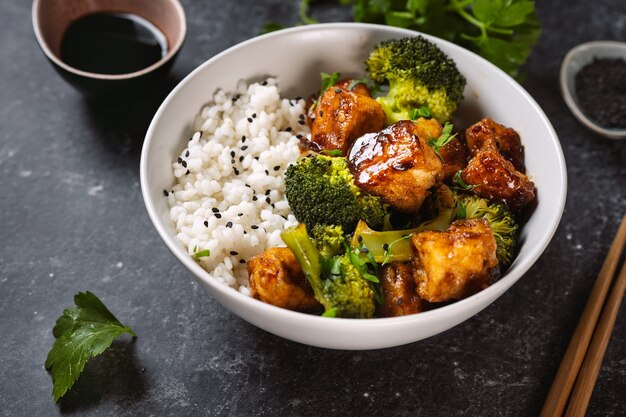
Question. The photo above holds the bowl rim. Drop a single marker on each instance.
(569, 96)
(99, 76)
(339, 324)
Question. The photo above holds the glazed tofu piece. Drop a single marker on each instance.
(488, 135)
(496, 179)
(457, 263)
(344, 84)
(454, 157)
(341, 116)
(399, 289)
(276, 278)
(397, 163)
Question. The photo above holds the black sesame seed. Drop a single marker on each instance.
(337, 90)
(254, 227)
(242, 261)
(301, 116)
(256, 157)
(188, 172)
(254, 198)
(229, 224)
(254, 115)
(249, 119)
(219, 216)
(215, 210)
(236, 171)
(244, 147)
(245, 233)
(273, 206)
(284, 217)
(298, 98)
(239, 214)
(243, 138)
(268, 200)
(232, 161)
(264, 83)
(288, 129)
(385, 246)
(241, 158)
(234, 253)
(301, 122)
(267, 172)
(299, 136)
(179, 160)
(360, 239)
(206, 223)
(267, 192)
(184, 164)
(187, 153)
(364, 250)
(232, 154)
(321, 113)
(165, 193)
(248, 185)
(277, 167)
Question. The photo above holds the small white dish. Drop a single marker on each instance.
(574, 61)
(296, 57)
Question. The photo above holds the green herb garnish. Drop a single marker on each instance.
(420, 112)
(389, 249)
(443, 139)
(331, 152)
(81, 333)
(459, 184)
(328, 80)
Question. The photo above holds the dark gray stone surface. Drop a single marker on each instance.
(73, 219)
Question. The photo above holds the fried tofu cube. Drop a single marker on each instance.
(488, 135)
(399, 289)
(276, 278)
(496, 179)
(397, 163)
(457, 263)
(341, 116)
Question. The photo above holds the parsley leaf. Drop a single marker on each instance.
(458, 183)
(443, 139)
(82, 332)
(328, 80)
(331, 152)
(420, 112)
(503, 31)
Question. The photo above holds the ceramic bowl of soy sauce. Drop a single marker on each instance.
(110, 48)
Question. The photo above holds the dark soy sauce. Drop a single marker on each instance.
(112, 43)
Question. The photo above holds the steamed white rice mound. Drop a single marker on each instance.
(229, 197)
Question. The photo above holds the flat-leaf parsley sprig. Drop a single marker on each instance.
(502, 31)
(81, 333)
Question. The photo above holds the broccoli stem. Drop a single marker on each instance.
(305, 251)
(394, 245)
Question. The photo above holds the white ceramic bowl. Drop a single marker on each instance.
(574, 61)
(297, 56)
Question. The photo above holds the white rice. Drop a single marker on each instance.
(230, 196)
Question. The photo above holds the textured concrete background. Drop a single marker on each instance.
(72, 219)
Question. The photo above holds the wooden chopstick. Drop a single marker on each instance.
(593, 359)
(575, 353)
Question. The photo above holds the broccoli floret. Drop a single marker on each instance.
(502, 222)
(321, 190)
(329, 240)
(340, 288)
(418, 74)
